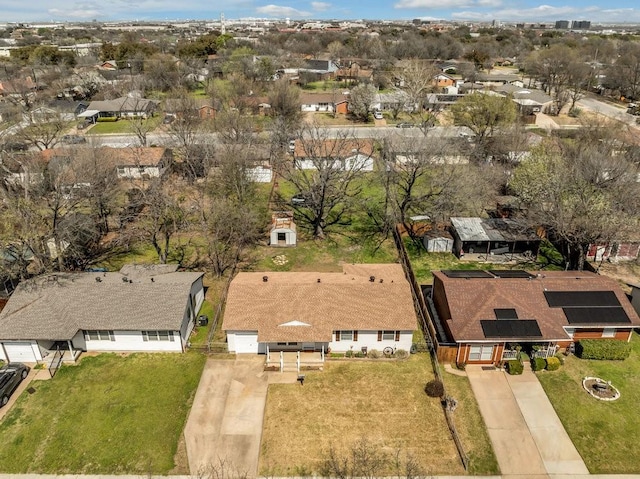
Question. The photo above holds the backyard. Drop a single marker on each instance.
(381, 401)
(110, 414)
(606, 434)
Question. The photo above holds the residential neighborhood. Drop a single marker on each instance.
(303, 247)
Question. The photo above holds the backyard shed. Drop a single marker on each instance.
(283, 229)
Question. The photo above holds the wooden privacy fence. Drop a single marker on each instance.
(431, 337)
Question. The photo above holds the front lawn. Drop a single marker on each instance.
(108, 415)
(381, 401)
(606, 434)
(121, 126)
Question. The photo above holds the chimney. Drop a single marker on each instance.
(265, 279)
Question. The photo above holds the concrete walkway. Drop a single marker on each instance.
(527, 436)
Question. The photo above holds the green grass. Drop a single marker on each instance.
(120, 126)
(382, 401)
(606, 434)
(424, 263)
(471, 427)
(108, 415)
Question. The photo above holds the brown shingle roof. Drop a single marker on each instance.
(56, 306)
(340, 301)
(473, 300)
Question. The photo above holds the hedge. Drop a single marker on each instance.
(514, 367)
(107, 119)
(603, 349)
(552, 363)
(538, 364)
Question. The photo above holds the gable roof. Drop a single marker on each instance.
(57, 306)
(317, 98)
(310, 306)
(472, 301)
(492, 229)
(125, 103)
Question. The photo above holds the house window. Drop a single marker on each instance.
(157, 335)
(121, 170)
(481, 353)
(97, 335)
(609, 333)
(282, 236)
(388, 335)
(346, 335)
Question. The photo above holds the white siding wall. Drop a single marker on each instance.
(188, 320)
(135, 172)
(260, 174)
(130, 341)
(370, 340)
(290, 236)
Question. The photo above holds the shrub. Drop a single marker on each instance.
(612, 349)
(434, 388)
(107, 119)
(336, 355)
(538, 364)
(359, 354)
(553, 363)
(515, 367)
(461, 366)
(374, 354)
(348, 354)
(402, 354)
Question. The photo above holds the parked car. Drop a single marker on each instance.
(405, 125)
(11, 376)
(378, 115)
(73, 139)
(168, 119)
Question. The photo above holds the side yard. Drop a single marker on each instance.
(605, 433)
(110, 414)
(381, 402)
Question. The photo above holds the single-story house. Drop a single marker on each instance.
(140, 308)
(485, 315)
(140, 162)
(324, 102)
(355, 154)
(528, 100)
(283, 229)
(130, 106)
(365, 306)
(493, 236)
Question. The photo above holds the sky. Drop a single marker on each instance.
(598, 11)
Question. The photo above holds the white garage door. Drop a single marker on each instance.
(20, 352)
(246, 343)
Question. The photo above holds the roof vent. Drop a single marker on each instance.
(381, 280)
(153, 279)
(98, 279)
(318, 280)
(265, 279)
(125, 279)
(372, 279)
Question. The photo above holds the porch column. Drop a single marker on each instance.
(73, 353)
(268, 353)
(298, 361)
(322, 354)
(281, 361)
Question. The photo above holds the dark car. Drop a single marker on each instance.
(74, 139)
(405, 125)
(11, 376)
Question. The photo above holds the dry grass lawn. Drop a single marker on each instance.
(381, 401)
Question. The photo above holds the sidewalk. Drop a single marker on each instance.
(527, 436)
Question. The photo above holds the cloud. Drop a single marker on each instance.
(320, 6)
(281, 11)
(546, 13)
(75, 13)
(446, 4)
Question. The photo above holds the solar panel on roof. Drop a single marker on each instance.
(596, 315)
(466, 273)
(510, 328)
(576, 299)
(511, 273)
(506, 313)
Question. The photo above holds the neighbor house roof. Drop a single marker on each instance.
(125, 103)
(472, 300)
(317, 98)
(57, 306)
(492, 229)
(310, 306)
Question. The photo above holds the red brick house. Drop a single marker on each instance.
(482, 316)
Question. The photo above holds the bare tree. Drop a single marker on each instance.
(362, 97)
(325, 173)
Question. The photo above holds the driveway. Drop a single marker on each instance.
(19, 390)
(225, 422)
(527, 436)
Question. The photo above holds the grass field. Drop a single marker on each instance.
(606, 434)
(383, 402)
(108, 415)
(120, 126)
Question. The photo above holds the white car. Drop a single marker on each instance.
(378, 115)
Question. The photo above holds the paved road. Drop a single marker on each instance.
(607, 109)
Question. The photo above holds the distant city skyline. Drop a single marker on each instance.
(598, 11)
